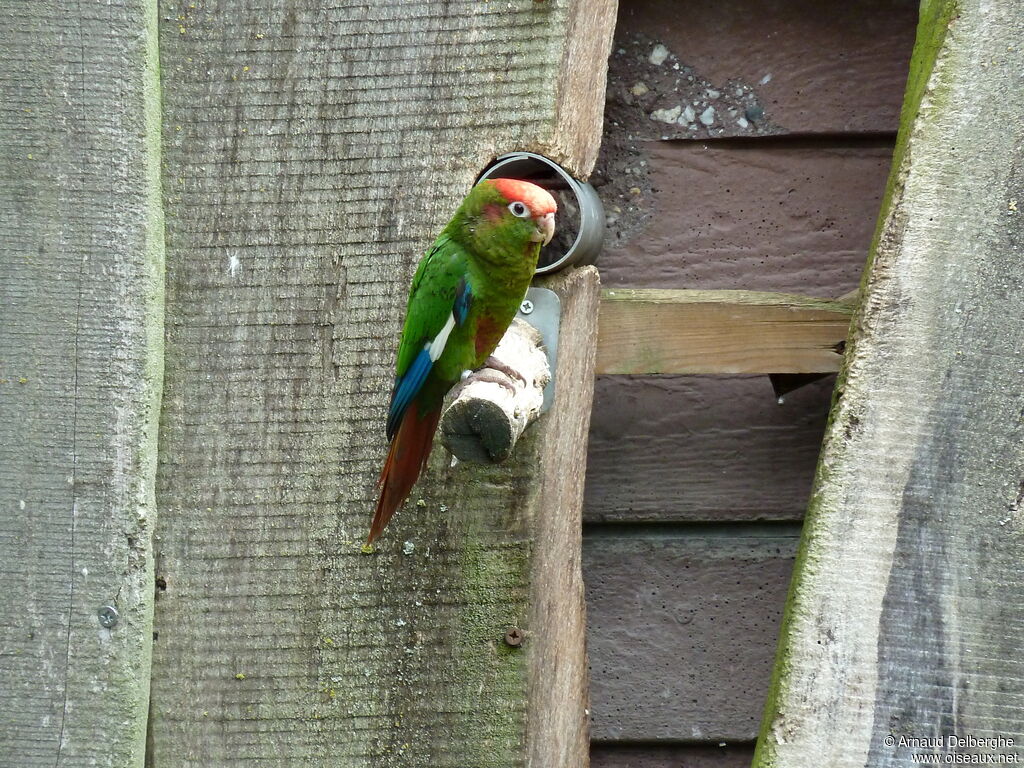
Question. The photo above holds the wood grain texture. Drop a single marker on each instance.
(905, 615)
(312, 152)
(80, 373)
(557, 728)
(787, 214)
(682, 628)
(702, 448)
(778, 216)
(589, 27)
(724, 332)
(792, 218)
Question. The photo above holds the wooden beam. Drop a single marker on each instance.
(321, 148)
(904, 622)
(725, 332)
(81, 343)
(557, 716)
(649, 331)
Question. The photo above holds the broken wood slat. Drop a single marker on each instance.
(81, 343)
(904, 622)
(725, 332)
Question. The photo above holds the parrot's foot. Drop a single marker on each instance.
(512, 373)
(482, 374)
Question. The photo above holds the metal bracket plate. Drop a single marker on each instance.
(543, 310)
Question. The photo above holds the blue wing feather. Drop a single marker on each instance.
(463, 297)
(406, 388)
(408, 385)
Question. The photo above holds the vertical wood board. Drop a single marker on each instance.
(558, 693)
(312, 153)
(81, 306)
(905, 616)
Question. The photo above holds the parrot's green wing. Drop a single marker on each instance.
(438, 300)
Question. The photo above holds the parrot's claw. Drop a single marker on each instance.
(502, 381)
(496, 364)
(482, 374)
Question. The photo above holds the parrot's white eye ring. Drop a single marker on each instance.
(519, 209)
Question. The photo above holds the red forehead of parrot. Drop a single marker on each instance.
(537, 199)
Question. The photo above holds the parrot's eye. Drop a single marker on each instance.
(518, 209)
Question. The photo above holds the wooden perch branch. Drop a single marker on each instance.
(663, 331)
(489, 413)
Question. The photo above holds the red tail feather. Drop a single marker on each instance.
(409, 452)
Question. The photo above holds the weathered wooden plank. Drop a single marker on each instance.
(700, 448)
(821, 74)
(675, 756)
(905, 615)
(312, 152)
(793, 216)
(682, 624)
(557, 726)
(811, 66)
(788, 217)
(81, 250)
(725, 332)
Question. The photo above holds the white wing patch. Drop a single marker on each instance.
(436, 347)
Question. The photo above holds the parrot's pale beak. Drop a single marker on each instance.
(545, 228)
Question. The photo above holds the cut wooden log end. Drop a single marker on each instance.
(489, 410)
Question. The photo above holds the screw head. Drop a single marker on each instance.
(514, 637)
(108, 616)
(526, 307)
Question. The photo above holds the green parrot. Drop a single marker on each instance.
(465, 294)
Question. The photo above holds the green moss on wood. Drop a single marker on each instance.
(933, 23)
(492, 677)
